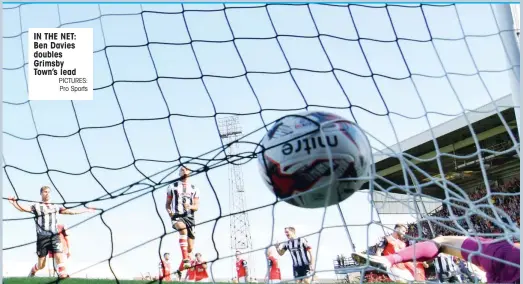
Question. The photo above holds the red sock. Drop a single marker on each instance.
(183, 246)
(34, 269)
(61, 270)
(423, 251)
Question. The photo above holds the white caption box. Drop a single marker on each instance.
(60, 64)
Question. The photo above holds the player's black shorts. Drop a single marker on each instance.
(302, 271)
(48, 243)
(189, 223)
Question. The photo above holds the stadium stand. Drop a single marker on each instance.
(454, 137)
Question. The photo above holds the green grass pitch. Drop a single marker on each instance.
(43, 280)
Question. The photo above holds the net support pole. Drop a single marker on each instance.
(373, 205)
(362, 273)
(505, 21)
(425, 213)
(346, 228)
(416, 205)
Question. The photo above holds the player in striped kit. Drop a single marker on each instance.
(242, 271)
(447, 269)
(183, 199)
(46, 220)
(301, 253)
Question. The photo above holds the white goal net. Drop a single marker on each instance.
(165, 77)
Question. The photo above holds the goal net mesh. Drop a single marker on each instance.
(166, 76)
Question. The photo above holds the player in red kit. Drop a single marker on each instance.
(200, 269)
(486, 254)
(241, 268)
(66, 250)
(274, 267)
(400, 272)
(183, 200)
(165, 267)
(190, 276)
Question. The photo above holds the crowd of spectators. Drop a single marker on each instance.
(504, 198)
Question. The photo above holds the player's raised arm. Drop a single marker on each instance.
(21, 208)
(65, 211)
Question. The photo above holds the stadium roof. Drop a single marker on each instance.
(450, 128)
(453, 137)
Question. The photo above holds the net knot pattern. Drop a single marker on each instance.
(166, 74)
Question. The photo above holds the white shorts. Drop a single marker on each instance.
(399, 275)
(242, 279)
(203, 280)
(274, 281)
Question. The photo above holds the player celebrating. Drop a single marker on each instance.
(165, 267)
(274, 267)
(242, 272)
(400, 272)
(66, 250)
(46, 220)
(200, 269)
(461, 247)
(301, 253)
(183, 199)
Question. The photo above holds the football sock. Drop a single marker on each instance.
(183, 246)
(423, 251)
(61, 270)
(34, 269)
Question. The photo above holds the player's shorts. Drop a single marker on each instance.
(189, 223)
(64, 251)
(203, 280)
(274, 281)
(46, 244)
(497, 272)
(302, 271)
(242, 279)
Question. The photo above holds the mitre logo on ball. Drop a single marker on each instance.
(314, 159)
(308, 144)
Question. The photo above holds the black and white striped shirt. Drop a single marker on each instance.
(182, 193)
(445, 266)
(298, 249)
(46, 218)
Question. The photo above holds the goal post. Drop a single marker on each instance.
(508, 19)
